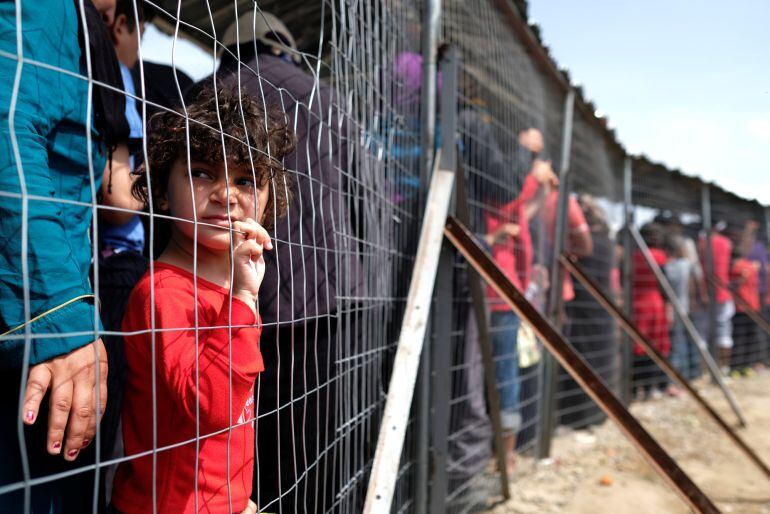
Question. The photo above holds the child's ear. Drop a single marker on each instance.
(163, 203)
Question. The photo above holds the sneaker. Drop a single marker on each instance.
(656, 394)
(674, 391)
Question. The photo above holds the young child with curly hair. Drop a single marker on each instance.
(192, 328)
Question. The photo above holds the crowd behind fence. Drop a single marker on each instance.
(333, 112)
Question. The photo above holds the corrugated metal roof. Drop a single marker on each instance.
(200, 19)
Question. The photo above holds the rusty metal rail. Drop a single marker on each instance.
(563, 351)
(577, 271)
(689, 326)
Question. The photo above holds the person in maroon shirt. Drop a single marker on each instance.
(192, 348)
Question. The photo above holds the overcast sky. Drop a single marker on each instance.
(687, 83)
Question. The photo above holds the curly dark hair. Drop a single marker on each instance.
(269, 137)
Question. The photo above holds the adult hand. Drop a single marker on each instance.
(72, 380)
(543, 173)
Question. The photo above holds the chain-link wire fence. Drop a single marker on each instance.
(320, 120)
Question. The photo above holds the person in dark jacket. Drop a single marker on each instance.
(298, 299)
(590, 329)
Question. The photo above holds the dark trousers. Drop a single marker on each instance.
(646, 374)
(748, 342)
(294, 468)
(528, 401)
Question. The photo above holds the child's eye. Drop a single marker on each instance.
(245, 182)
(200, 173)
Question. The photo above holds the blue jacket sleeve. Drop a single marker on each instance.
(50, 129)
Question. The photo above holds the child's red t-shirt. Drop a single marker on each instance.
(747, 273)
(225, 408)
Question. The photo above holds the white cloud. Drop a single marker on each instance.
(759, 128)
(188, 57)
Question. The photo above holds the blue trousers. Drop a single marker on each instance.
(504, 330)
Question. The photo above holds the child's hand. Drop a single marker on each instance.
(248, 263)
(506, 230)
(251, 508)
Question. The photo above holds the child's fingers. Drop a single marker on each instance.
(58, 413)
(249, 249)
(247, 228)
(263, 237)
(255, 231)
(251, 508)
(37, 384)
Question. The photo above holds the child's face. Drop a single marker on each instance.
(210, 197)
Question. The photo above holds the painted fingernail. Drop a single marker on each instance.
(72, 453)
(86, 442)
(30, 416)
(56, 445)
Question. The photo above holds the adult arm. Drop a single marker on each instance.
(116, 188)
(579, 240)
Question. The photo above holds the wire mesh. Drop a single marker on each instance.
(346, 79)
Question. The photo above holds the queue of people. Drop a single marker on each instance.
(209, 267)
(508, 231)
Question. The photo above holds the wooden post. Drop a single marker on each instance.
(390, 442)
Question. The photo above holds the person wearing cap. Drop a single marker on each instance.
(297, 300)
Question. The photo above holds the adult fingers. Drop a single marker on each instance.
(38, 380)
(82, 419)
(102, 388)
(58, 413)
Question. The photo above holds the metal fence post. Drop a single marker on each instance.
(708, 257)
(441, 388)
(430, 32)
(628, 221)
(555, 301)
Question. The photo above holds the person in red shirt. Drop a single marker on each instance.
(721, 251)
(650, 312)
(192, 343)
(747, 340)
(508, 238)
(578, 242)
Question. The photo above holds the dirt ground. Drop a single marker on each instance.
(598, 471)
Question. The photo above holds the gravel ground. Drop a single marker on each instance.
(598, 471)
